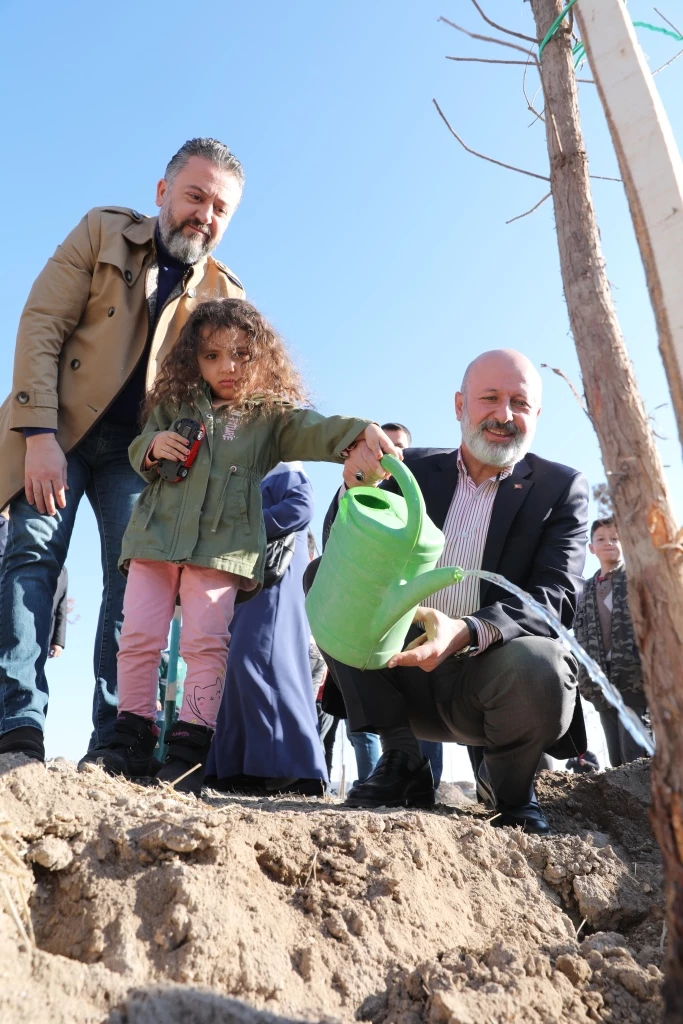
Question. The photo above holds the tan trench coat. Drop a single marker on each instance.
(84, 328)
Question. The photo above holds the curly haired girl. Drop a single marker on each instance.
(198, 532)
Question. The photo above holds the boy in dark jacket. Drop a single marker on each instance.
(604, 629)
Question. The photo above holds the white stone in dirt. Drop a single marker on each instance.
(51, 853)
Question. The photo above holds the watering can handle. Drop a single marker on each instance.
(412, 494)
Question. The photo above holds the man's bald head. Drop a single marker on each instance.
(504, 364)
(498, 406)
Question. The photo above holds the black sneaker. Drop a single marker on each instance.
(24, 740)
(131, 751)
(188, 747)
(394, 783)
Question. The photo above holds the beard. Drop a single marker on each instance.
(187, 249)
(500, 454)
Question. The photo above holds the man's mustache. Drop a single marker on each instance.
(193, 224)
(511, 429)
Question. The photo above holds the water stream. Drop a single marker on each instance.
(612, 695)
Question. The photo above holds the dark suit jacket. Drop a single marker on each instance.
(536, 537)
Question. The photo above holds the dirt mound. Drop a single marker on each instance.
(132, 906)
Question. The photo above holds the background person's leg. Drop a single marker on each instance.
(631, 750)
(609, 719)
(112, 492)
(37, 547)
(327, 728)
(366, 747)
(434, 754)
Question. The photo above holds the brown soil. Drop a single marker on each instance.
(132, 906)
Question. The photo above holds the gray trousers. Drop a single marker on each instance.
(514, 701)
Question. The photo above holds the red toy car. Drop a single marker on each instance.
(175, 471)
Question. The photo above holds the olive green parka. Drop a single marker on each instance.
(213, 517)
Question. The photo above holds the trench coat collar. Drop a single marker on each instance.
(141, 232)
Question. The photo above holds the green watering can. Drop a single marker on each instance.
(377, 567)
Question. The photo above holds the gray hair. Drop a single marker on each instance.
(207, 149)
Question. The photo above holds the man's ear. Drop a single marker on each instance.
(162, 186)
(591, 549)
(459, 402)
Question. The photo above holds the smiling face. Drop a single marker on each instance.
(195, 208)
(605, 545)
(223, 360)
(498, 407)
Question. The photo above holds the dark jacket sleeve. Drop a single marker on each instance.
(555, 579)
(59, 613)
(288, 504)
(330, 517)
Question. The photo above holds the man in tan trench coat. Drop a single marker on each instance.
(99, 320)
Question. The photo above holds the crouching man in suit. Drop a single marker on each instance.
(479, 668)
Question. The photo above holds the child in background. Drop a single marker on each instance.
(604, 629)
(203, 537)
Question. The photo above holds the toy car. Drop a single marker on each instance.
(194, 432)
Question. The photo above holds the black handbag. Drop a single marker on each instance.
(279, 554)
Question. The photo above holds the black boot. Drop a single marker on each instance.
(24, 740)
(188, 747)
(397, 781)
(131, 751)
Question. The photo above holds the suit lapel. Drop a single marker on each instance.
(439, 486)
(512, 493)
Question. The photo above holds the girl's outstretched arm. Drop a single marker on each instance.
(305, 434)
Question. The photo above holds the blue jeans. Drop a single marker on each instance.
(367, 748)
(434, 754)
(36, 550)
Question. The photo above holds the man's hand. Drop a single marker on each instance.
(45, 474)
(169, 445)
(55, 651)
(442, 637)
(362, 468)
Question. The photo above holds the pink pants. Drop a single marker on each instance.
(207, 598)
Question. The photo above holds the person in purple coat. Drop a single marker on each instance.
(266, 737)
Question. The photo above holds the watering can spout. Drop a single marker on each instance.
(402, 598)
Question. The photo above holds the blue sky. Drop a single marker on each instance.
(376, 245)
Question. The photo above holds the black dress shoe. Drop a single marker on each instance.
(394, 783)
(529, 817)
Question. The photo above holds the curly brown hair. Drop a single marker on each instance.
(269, 374)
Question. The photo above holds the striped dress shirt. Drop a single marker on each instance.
(466, 529)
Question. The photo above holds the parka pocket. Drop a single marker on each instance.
(233, 497)
(149, 501)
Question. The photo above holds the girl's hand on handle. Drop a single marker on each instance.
(168, 445)
(362, 468)
(379, 443)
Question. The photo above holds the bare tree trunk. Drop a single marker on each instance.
(646, 524)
